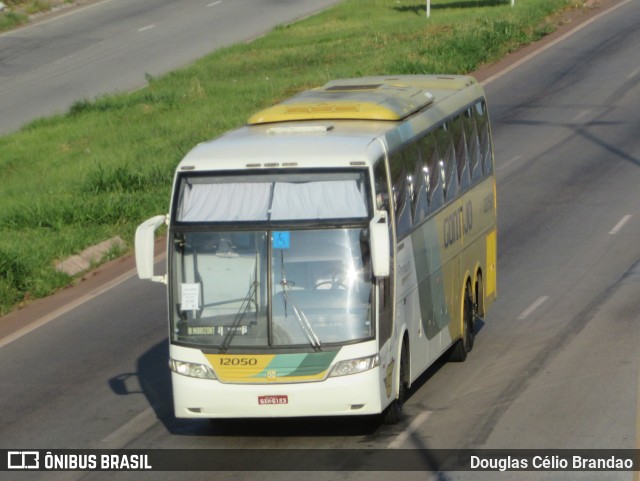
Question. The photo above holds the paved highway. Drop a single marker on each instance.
(556, 365)
(113, 45)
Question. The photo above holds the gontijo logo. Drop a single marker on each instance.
(457, 224)
(23, 460)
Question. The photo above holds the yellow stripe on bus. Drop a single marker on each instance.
(491, 263)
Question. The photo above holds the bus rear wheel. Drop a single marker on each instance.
(462, 347)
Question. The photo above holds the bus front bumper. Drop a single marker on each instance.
(356, 394)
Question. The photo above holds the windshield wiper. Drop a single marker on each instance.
(244, 307)
(305, 325)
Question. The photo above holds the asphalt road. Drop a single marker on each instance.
(114, 45)
(556, 365)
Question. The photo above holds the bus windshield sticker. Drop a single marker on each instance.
(281, 240)
(190, 295)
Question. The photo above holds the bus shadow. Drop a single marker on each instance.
(153, 381)
(296, 427)
(438, 364)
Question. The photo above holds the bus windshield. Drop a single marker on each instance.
(271, 197)
(268, 288)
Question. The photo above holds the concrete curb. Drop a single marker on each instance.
(83, 261)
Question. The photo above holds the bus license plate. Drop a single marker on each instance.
(266, 400)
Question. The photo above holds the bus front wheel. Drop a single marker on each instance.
(393, 413)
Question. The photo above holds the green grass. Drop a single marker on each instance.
(11, 19)
(74, 180)
(18, 11)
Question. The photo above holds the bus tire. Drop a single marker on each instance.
(470, 319)
(479, 307)
(393, 413)
(462, 346)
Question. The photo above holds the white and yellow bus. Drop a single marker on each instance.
(321, 257)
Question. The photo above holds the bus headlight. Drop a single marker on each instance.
(191, 369)
(354, 366)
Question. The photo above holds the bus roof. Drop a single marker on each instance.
(336, 124)
(369, 98)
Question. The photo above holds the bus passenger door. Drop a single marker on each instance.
(384, 291)
(384, 284)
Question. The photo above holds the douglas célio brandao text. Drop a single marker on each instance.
(550, 463)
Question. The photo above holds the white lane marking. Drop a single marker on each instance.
(148, 27)
(561, 38)
(620, 224)
(66, 308)
(130, 430)
(73, 304)
(527, 312)
(214, 4)
(509, 162)
(412, 428)
(634, 73)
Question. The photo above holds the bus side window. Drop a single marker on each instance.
(412, 163)
(433, 171)
(401, 194)
(462, 154)
(475, 157)
(382, 192)
(447, 162)
(484, 139)
(421, 186)
(410, 155)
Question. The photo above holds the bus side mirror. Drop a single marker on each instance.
(145, 240)
(380, 246)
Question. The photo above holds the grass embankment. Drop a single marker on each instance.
(18, 12)
(74, 180)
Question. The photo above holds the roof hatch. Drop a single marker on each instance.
(357, 99)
